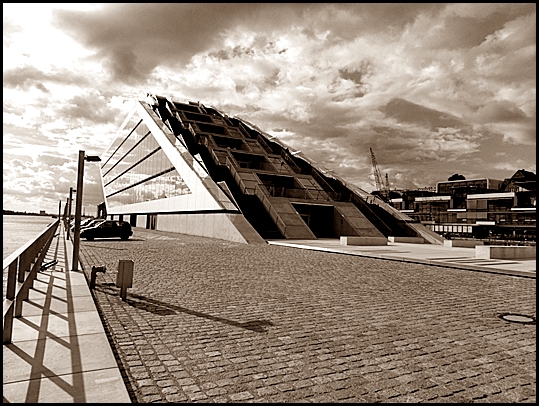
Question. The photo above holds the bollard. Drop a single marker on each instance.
(124, 279)
(93, 274)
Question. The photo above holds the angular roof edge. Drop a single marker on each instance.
(370, 198)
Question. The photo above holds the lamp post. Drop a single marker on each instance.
(65, 212)
(71, 190)
(78, 205)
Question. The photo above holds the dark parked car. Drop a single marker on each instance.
(107, 229)
(85, 223)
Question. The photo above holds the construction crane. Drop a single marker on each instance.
(383, 188)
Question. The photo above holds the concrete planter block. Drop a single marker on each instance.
(363, 241)
(409, 240)
(504, 252)
(463, 243)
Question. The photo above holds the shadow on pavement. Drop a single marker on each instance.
(47, 334)
(166, 309)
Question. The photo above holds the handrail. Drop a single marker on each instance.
(263, 196)
(371, 215)
(286, 156)
(22, 268)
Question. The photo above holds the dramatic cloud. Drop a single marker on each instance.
(23, 78)
(433, 89)
(132, 39)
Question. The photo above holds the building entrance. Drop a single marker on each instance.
(151, 221)
(319, 218)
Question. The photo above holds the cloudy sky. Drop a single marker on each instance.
(433, 89)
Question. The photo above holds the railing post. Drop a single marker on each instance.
(23, 264)
(41, 241)
(10, 295)
(8, 326)
(18, 303)
(11, 280)
(47, 237)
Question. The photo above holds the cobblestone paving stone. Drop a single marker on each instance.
(214, 321)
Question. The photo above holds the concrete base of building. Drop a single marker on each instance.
(504, 252)
(409, 240)
(363, 240)
(225, 226)
(463, 243)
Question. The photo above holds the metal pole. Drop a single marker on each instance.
(78, 206)
(59, 209)
(65, 216)
(69, 212)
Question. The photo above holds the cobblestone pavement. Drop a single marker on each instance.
(215, 321)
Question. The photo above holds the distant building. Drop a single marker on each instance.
(185, 167)
(477, 208)
(42, 213)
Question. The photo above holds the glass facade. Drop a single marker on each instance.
(451, 228)
(447, 187)
(137, 170)
(479, 184)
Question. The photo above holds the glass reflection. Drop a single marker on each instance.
(169, 184)
(137, 170)
(144, 174)
(146, 146)
(114, 153)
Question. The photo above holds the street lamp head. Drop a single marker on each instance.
(92, 158)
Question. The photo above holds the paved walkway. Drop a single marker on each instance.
(214, 321)
(429, 254)
(60, 352)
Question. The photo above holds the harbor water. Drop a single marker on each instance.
(17, 230)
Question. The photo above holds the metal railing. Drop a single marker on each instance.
(262, 194)
(22, 267)
(285, 155)
(282, 191)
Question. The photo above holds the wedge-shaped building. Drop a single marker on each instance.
(189, 168)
